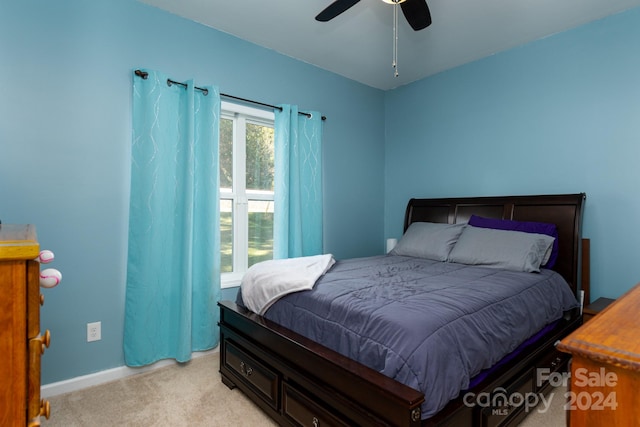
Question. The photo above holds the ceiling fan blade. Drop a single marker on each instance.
(417, 13)
(335, 9)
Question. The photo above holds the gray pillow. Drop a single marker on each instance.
(428, 240)
(510, 250)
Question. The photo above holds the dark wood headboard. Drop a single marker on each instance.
(563, 210)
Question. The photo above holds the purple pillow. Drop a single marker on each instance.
(524, 226)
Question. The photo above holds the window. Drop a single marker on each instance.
(246, 189)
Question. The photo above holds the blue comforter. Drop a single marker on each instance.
(430, 325)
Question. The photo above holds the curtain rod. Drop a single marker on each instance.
(205, 91)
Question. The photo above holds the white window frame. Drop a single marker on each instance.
(241, 114)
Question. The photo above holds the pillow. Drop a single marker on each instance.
(506, 249)
(524, 226)
(428, 240)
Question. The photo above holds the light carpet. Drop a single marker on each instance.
(192, 394)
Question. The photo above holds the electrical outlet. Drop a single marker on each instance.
(94, 331)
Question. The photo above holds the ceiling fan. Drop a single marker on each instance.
(415, 11)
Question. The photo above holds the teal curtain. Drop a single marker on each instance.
(173, 265)
(298, 184)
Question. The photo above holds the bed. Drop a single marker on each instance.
(299, 381)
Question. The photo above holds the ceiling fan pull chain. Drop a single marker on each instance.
(395, 38)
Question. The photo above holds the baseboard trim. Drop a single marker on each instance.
(108, 375)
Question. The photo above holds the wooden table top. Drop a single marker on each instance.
(613, 336)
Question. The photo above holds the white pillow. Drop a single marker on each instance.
(430, 240)
(511, 250)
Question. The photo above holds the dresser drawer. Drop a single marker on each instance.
(304, 411)
(35, 406)
(34, 299)
(258, 376)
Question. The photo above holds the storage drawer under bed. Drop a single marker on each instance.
(554, 365)
(506, 405)
(259, 377)
(502, 405)
(302, 410)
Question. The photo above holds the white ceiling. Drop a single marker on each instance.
(359, 43)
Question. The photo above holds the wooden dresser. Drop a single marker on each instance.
(21, 344)
(604, 389)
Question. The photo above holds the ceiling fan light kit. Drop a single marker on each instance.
(416, 13)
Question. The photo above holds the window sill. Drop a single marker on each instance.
(230, 280)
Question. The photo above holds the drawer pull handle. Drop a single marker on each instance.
(46, 340)
(45, 411)
(316, 422)
(43, 341)
(45, 408)
(246, 370)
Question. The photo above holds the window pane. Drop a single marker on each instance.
(226, 235)
(260, 231)
(226, 154)
(259, 157)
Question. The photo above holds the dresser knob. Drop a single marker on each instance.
(45, 408)
(45, 340)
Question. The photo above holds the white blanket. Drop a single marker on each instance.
(265, 282)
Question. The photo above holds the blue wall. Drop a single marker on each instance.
(559, 115)
(66, 70)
